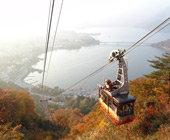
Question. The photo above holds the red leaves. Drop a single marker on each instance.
(3, 108)
(150, 111)
(1, 113)
(136, 119)
(169, 119)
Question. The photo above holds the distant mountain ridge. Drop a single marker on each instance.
(163, 44)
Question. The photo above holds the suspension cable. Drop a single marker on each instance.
(149, 33)
(87, 77)
(49, 16)
(56, 30)
(147, 38)
(47, 43)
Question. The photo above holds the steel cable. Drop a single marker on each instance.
(56, 30)
(147, 38)
(47, 43)
(149, 33)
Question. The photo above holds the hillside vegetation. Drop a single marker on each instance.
(19, 118)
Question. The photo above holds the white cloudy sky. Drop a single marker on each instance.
(28, 17)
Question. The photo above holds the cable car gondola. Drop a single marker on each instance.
(114, 96)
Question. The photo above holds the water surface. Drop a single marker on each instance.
(70, 66)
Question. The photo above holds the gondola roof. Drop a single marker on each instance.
(124, 98)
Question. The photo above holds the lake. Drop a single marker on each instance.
(69, 66)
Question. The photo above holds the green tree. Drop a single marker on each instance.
(162, 64)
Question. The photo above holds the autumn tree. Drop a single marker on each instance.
(19, 106)
(67, 118)
(19, 119)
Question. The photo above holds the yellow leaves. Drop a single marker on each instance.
(67, 118)
(78, 129)
(1, 97)
(102, 124)
(161, 90)
(7, 132)
(18, 105)
(142, 110)
(17, 127)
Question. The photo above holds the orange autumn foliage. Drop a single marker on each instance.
(66, 118)
(18, 104)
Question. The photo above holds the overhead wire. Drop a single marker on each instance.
(147, 38)
(47, 41)
(149, 33)
(50, 17)
(87, 77)
(56, 30)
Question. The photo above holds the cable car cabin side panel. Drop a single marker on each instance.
(118, 112)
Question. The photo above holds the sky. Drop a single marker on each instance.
(28, 18)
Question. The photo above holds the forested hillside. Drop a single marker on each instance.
(83, 119)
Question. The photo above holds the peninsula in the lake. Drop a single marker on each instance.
(73, 40)
(163, 44)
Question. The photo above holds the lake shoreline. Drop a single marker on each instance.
(162, 45)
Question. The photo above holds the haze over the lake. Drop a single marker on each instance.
(23, 28)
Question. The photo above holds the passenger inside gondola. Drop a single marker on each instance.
(108, 84)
